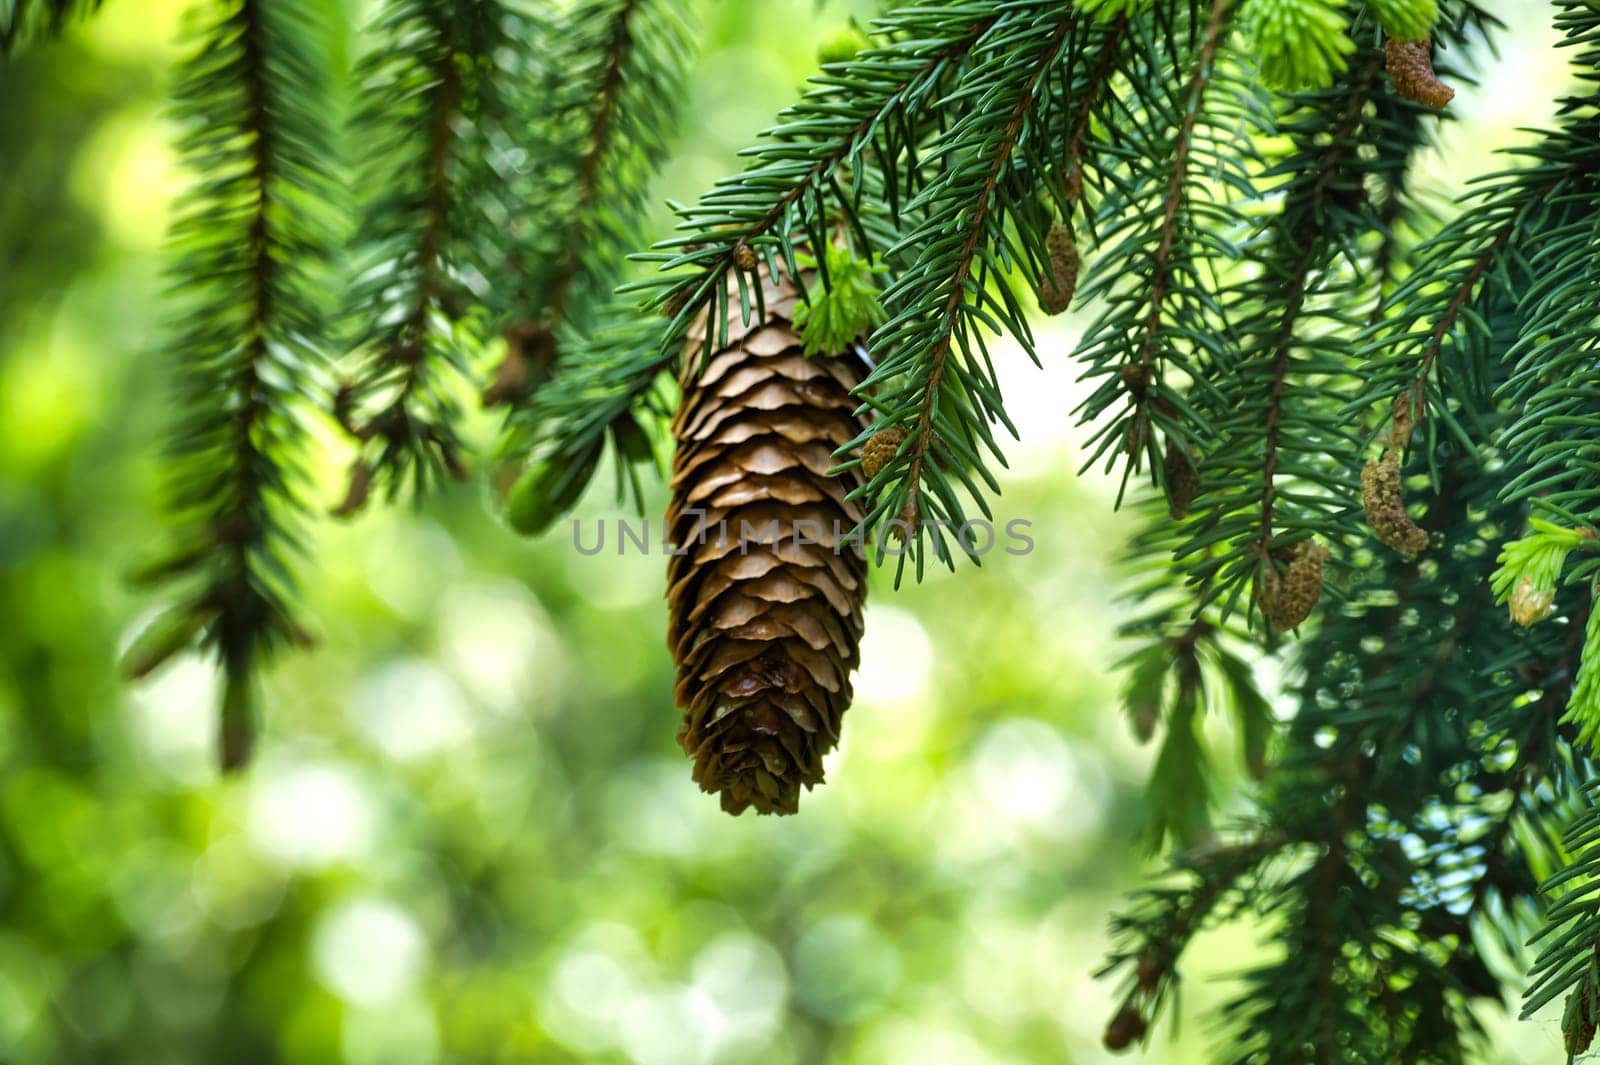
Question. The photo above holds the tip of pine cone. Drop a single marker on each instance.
(743, 793)
(748, 782)
(755, 753)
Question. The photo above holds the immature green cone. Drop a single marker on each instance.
(764, 598)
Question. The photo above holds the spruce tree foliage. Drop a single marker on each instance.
(25, 20)
(1357, 424)
(246, 252)
(431, 95)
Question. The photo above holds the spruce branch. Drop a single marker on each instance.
(246, 250)
(597, 122)
(1438, 309)
(1160, 336)
(1200, 886)
(873, 108)
(1283, 417)
(430, 94)
(912, 373)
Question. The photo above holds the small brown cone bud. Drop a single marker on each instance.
(1136, 379)
(1385, 507)
(1410, 65)
(1288, 600)
(878, 450)
(1146, 716)
(904, 527)
(1125, 1029)
(355, 496)
(1183, 483)
(764, 597)
(1530, 605)
(1061, 280)
(530, 353)
(744, 257)
(1402, 422)
(1578, 1027)
(676, 302)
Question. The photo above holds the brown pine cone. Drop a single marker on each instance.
(764, 595)
(1410, 65)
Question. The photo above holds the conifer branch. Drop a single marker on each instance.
(430, 99)
(950, 320)
(1088, 99)
(619, 44)
(1172, 204)
(873, 111)
(1283, 342)
(605, 113)
(247, 244)
(1161, 342)
(1295, 378)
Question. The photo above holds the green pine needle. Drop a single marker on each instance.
(1583, 709)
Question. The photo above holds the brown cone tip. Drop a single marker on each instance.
(765, 591)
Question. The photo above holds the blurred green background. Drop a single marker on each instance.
(470, 835)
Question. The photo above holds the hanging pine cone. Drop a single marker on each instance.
(764, 597)
(1410, 65)
(1384, 504)
(1061, 281)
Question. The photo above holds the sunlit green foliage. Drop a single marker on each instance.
(469, 787)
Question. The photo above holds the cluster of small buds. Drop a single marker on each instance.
(1384, 503)
(744, 257)
(1288, 600)
(879, 449)
(1410, 65)
(1061, 281)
